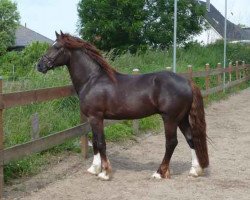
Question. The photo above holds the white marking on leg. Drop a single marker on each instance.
(97, 159)
(104, 175)
(90, 144)
(156, 175)
(195, 161)
(96, 165)
(196, 169)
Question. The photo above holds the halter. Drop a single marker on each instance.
(50, 61)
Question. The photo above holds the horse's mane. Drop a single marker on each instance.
(72, 42)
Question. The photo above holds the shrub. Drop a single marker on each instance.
(18, 64)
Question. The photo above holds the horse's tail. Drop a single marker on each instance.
(198, 126)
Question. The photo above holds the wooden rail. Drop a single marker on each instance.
(200, 74)
(18, 151)
(10, 100)
(35, 96)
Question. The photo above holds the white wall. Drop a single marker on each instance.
(208, 36)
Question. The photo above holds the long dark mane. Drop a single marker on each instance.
(72, 42)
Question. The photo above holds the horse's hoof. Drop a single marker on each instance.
(94, 169)
(196, 171)
(156, 176)
(103, 176)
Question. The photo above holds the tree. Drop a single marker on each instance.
(9, 20)
(158, 30)
(129, 24)
(112, 24)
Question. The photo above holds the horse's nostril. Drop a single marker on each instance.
(39, 67)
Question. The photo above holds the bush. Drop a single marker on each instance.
(18, 64)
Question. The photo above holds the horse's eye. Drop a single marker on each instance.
(56, 46)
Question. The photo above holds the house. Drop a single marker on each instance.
(247, 30)
(25, 36)
(215, 30)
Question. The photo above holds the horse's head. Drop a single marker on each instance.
(57, 55)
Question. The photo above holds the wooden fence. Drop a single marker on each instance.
(234, 75)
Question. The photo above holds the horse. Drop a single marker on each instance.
(105, 93)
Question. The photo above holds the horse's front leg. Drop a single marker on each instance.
(101, 164)
(96, 166)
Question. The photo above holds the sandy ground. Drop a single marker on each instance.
(228, 176)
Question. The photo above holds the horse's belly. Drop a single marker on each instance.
(127, 116)
(130, 111)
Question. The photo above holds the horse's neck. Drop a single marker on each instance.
(81, 69)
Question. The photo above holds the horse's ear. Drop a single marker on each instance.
(62, 34)
(57, 35)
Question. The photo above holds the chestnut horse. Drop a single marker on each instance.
(106, 94)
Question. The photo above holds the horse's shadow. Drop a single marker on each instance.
(120, 162)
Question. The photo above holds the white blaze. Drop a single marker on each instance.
(54, 43)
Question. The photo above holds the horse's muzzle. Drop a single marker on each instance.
(41, 67)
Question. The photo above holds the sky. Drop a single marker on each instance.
(48, 16)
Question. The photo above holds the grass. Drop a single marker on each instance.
(60, 114)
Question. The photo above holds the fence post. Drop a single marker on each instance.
(230, 71)
(135, 121)
(244, 69)
(237, 70)
(219, 75)
(35, 126)
(84, 138)
(207, 80)
(168, 68)
(190, 72)
(1, 140)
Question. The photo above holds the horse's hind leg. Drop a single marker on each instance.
(171, 142)
(185, 128)
(99, 146)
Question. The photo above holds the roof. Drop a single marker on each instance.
(217, 20)
(25, 36)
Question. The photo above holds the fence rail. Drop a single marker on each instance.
(18, 151)
(35, 96)
(9, 100)
(217, 71)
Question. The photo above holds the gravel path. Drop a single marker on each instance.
(228, 176)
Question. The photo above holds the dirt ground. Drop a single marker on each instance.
(228, 176)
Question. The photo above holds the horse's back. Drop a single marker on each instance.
(162, 92)
(164, 82)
